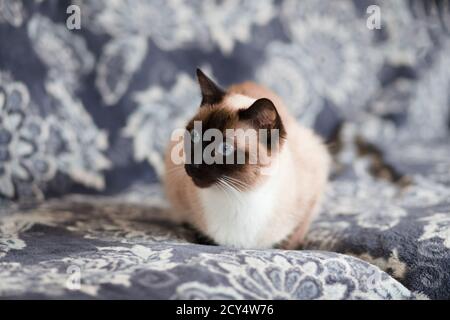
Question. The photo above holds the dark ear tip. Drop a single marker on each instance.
(199, 72)
(211, 93)
(265, 101)
(255, 109)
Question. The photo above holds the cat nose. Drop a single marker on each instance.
(191, 168)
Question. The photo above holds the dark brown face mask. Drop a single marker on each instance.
(208, 161)
(212, 114)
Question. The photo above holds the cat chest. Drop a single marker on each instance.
(237, 219)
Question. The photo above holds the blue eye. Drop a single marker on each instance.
(195, 136)
(225, 149)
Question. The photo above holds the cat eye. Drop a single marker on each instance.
(225, 149)
(195, 136)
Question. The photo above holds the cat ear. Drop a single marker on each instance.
(211, 93)
(263, 115)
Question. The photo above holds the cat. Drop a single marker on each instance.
(252, 204)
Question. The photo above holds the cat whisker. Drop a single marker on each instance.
(233, 191)
(237, 180)
(242, 186)
(222, 187)
(235, 186)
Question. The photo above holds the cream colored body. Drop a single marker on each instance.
(279, 208)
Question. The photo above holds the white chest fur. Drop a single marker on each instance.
(237, 219)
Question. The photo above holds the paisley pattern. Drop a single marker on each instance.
(12, 12)
(158, 114)
(85, 116)
(119, 248)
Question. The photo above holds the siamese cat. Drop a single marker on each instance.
(250, 204)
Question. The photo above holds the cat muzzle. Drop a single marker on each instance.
(201, 177)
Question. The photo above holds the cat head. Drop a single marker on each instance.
(233, 139)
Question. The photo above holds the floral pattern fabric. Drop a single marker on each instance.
(115, 248)
(89, 111)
